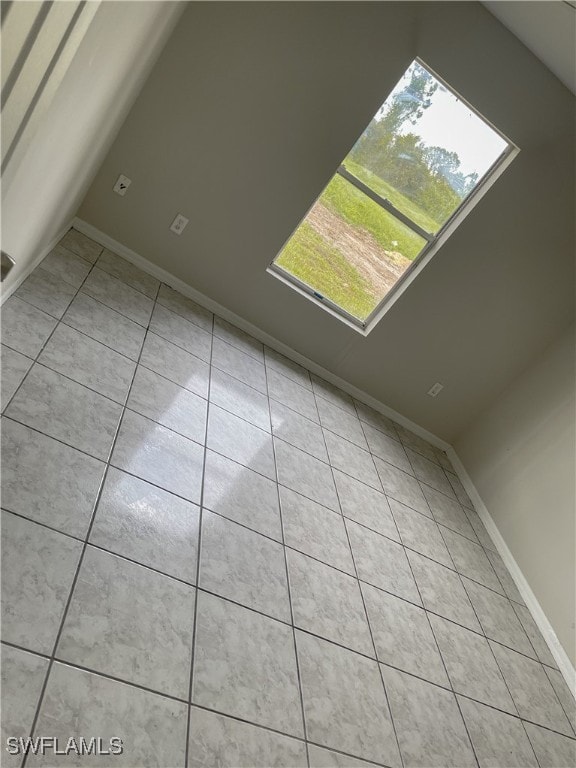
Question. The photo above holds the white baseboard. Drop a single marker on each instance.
(270, 341)
(556, 649)
(7, 292)
(166, 277)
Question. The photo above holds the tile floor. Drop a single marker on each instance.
(226, 561)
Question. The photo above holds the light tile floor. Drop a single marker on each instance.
(226, 561)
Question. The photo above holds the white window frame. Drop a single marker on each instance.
(434, 241)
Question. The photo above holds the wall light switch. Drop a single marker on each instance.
(179, 224)
(122, 184)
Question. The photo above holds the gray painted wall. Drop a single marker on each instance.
(95, 80)
(521, 455)
(246, 115)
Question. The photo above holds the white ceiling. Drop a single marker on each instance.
(547, 28)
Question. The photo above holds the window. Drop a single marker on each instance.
(419, 167)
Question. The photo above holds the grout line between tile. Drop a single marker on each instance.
(379, 489)
(436, 640)
(56, 277)
(18, 352)
(121, 279)
(247, 722)
(108, 309)
(270, 538)
(87, 335)
(19, 647)
(184, 701)
(34, 359)
(570, 717)
(495, 659)
(78, 566)
(513, 700)
(73, 253)
(41, 524)
(198, 557)
(278, 369)
(367, 616)
(242, 605)
(195, 329)
(379, 533)
(79, 383)
(451, 686)
(296, 659)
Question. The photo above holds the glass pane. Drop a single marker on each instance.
(349, 249)
(425, 150)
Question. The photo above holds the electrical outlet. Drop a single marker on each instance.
(122, 184)
(436, 389)
(179, 224)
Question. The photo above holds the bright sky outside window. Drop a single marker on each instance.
(415, 167)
